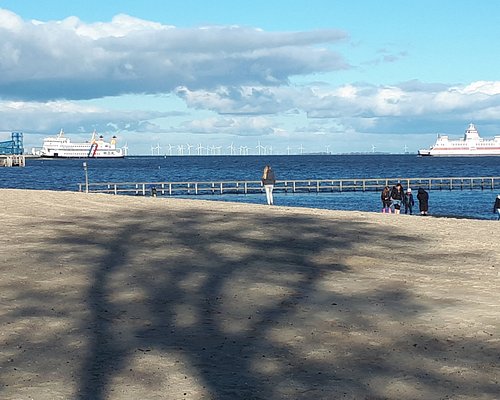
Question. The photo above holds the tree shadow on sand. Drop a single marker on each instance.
(219, 305)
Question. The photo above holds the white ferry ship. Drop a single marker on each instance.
(61, 147)
(470, 145)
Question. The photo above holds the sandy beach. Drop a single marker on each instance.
(115, 297)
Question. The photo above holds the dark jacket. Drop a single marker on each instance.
(270, 179)
(496, 206)
(385, 196)
(423, 199)
(409, 200)
(397, 195)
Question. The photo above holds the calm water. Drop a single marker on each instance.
(66, 174)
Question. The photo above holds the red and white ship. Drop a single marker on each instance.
(61, 147)
(470, 145)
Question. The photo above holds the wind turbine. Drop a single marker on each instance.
(189, 147)
(373, 148)
(231, 149)
(170, 149)
(288, 150)
(301, 149)
(199, 149)
(180, 149)
(125, 149)
(158, 148)
(327, 149)
(260, 148)
(406, 149)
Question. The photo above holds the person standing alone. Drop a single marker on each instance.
(268, 180)
(496, 206)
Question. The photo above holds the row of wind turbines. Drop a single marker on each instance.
(200, 150)
(232, 150)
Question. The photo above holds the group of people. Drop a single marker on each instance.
(393, 200)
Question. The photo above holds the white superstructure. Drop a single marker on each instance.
(61, 147)
(470, 145)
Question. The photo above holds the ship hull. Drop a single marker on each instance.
(460, 153)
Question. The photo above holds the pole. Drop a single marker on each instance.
(86, 177)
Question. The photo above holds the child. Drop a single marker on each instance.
(409, 202)
(386, 200)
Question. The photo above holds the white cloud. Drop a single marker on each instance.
(242, 126)
(70, 59)
(44, 118)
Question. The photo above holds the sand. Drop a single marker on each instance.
(114, 297)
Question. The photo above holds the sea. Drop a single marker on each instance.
(66, 174)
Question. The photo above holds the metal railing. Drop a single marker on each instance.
(289, 186)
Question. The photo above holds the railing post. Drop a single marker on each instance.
(246, 187)
(116, 191)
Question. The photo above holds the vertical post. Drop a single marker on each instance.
(86, 177)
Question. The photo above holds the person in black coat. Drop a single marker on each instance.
(423, 201)
(496, 206)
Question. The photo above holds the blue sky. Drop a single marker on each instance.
(338, 76)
